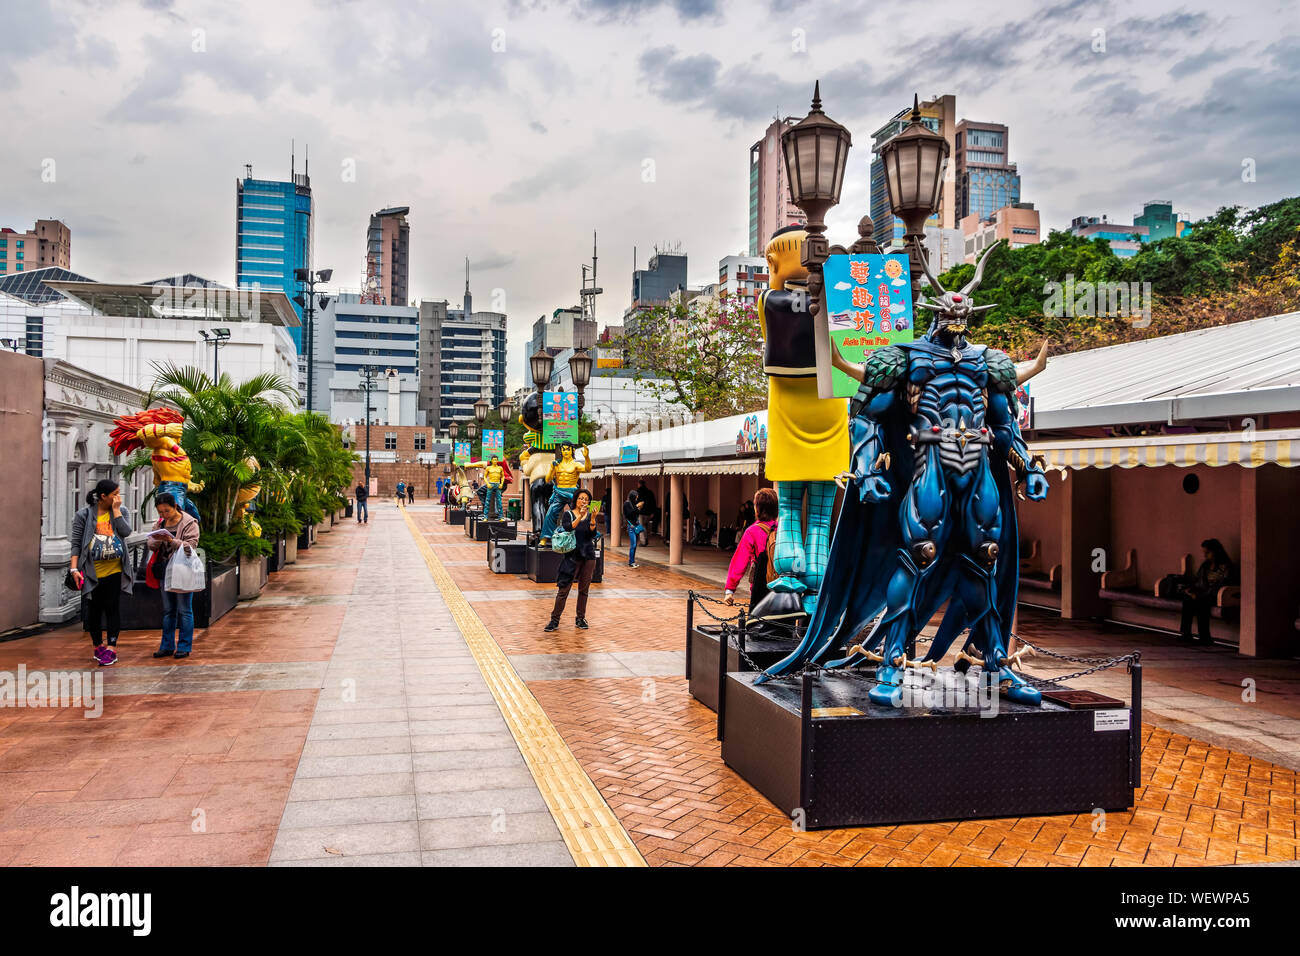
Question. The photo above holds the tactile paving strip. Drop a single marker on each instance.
(591, 830)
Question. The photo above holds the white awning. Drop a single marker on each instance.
(1248, 449)
(739, 466)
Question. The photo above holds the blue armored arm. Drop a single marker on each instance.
(1002, 418)
(881, 375)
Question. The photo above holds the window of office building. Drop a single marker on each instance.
(419, 441)
(390, 441)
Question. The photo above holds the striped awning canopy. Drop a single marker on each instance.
(1249, 449)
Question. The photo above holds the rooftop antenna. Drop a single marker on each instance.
(292, 147)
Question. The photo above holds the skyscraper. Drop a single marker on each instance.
(273, 234)
(770, 205)
(388, 242)
(985, 180)
(462, 358)
(939, 115)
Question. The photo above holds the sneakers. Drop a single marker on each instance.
(581, 624)
(163, 653)
(181, 655)
(105, 656)
(551, 626)
(633, 566)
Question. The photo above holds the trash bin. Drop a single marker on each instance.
(347, 509)
(514, 509)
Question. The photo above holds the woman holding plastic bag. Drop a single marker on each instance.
(176, 562)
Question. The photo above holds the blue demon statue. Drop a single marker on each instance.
(929, 512)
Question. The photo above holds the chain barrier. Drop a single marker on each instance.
(730, 633)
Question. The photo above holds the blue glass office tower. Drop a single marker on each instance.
(273, 234)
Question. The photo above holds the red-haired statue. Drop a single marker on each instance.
(159, 430)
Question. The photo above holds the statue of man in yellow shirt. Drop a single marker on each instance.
(494, 476)
(564, 474)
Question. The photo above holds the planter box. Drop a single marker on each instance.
(306, 538)
(314, 532)
(252, 576)
(221, 595)
(277, 559)
(291, 549)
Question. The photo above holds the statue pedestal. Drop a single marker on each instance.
(507, 557)
(485, 530)
(456, 516)
(543, 564)
(704, 667)
(816, 745)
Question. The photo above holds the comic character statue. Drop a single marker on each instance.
(929, 514)
(535, 460)
(159, 430)
(494, 480)
(564, 475)
(807, 436)
(241, 516)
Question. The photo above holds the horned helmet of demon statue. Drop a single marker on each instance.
(954, 312)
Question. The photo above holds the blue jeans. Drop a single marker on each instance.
(177, 605)
(559, 498)
(634, 535)
(492, 507)
(363, 509)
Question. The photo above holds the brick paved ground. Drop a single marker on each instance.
(650, 747)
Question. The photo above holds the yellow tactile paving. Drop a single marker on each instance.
(590, 828)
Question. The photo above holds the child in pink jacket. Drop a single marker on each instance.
(752, 550)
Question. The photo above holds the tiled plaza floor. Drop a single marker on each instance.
(389, 700)
(650, 747)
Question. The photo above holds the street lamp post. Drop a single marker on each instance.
(816, 151)
(308, 302)
(580, 363)
(914, 162)
(216, 338)
(368, 373)
(541, 363)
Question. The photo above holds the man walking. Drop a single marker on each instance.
(363, 497)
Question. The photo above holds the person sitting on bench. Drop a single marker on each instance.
(705, 528)
(1198, 590)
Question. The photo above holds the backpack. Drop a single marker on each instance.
(771, 554)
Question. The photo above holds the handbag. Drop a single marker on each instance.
(563, 541)
(185, 572)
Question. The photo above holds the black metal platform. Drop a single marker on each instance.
(544, 565)
(485, 529)
(704, 667)
(507, 557)
(456, 516)
(816, 745)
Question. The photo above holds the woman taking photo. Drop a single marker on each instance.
(580, 563)
(178, 607)
(753, 550)
(100, 565)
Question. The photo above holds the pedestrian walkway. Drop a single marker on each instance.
(390, 700)
(650, 747)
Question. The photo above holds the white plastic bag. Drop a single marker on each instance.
(185, 571)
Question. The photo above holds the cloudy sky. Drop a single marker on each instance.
(514, 129)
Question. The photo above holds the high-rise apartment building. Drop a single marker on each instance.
(388, 247)
(462, 358)
(353, 335)
(770, 204)
(985, 180)
(939, 115)
(741, 279)
(273, 234)
(46, 245)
